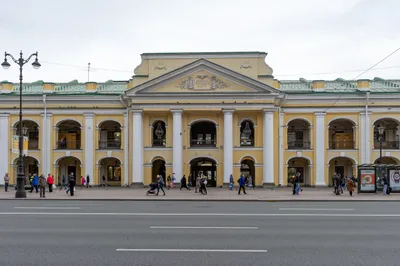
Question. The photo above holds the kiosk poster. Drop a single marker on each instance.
(394, 179)
(367, 180)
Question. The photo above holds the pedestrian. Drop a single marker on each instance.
(183, 183)
(231, 182)
(350, 187)
(50, 183)
(42, 186)
(168, 182)
(190, 183)
(298, 180)
(104, 181)
(72, 184)
(6, 182)
(203, 185)
(160, 183)
(198, 183)
(385, 185)
(63, 183)
(71, 176)
(35, 183)
(173, 179)
(88, 182)
(82, 181)
(250, 181)
(242, 184)
(340, 188)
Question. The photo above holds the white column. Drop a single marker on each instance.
(4, 146)
(362, 137)
(177, 143)
(367, 138)
(281, 148)
(126, 149)
(89, 146)
(137, 158)
(268, 151)
(320, 149)
(46, 144)
(228, 145)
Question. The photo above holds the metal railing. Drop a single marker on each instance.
(299, 144)
(341, 144)
(203, 143)
(68, 145)
(110, 144)
(394, 145)
(158, 143)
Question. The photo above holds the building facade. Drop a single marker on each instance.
(214, 113)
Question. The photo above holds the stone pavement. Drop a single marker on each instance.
(214, 194)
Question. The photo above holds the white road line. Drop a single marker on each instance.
(204, 227)
(314, 209)
(49, 208)
(193, 250)
(201, 214)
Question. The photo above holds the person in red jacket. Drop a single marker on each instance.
(50, 182)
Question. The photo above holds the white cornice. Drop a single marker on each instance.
(203, 55)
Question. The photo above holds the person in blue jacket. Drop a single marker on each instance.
(242, 184)
(35, 183)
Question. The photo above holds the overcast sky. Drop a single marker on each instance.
(302, 38)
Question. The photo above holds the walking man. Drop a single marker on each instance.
(88, 181)
(231, 182)
(35, 183)
(72, 184)
(42, 186)
(64, 184)
(160, 184)
(6, 181)
(198, 180)
(242, 184)
(183, 183)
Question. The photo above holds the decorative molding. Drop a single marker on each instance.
(245, 65)
(202, 82)
(160, 66)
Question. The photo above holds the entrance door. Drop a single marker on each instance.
(339, 170)
(209, 172)
(72, 169)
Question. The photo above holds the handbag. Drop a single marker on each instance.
(54, 186)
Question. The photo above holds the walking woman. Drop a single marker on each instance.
(50, 182)
(350, 186)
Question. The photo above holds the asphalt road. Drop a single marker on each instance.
(199, 233)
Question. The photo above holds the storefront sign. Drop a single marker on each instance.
(394, 179)
(367, 180)
(15, 145)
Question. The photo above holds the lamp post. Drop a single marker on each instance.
(21, 171)
(381, 130)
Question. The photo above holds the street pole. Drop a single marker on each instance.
(20, 193)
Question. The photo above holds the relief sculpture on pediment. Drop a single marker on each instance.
(202, 82)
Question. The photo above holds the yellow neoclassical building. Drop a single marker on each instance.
(212, 113)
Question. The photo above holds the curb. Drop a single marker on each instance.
(207, 200)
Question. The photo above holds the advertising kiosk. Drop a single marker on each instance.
(393, 174)
(367, 178)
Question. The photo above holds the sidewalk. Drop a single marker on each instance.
(214, 194)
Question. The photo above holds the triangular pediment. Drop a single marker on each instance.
(202, 76)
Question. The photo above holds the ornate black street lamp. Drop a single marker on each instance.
(21, 171)
(381, 130)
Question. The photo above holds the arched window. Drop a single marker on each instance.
(110, 135)
(159, 134)
(247, 133)
(203, 134)
(298, 136)
(32, 132)
(390, 136)
(341, 134)
(69, 135)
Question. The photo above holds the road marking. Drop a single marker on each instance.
(204, 227)
(49, 208)
(201, 214)
(314, 209)
(192, 250)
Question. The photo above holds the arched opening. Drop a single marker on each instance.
(110, 135)
(32, 132)
(31, 166)
(302, 166)
(206, 167)
(159, 134)
(203, 134)
(386, 160)
(340, 165)
(69, 135)
(390, 136)
(158, 168)
(298, 136)
(247, 134)
(341, 134)
(247, 169)
(110, 171)
(68, 167)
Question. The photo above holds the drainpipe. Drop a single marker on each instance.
(126, 143)
(44, 139)
(281, 150)
(367, 131)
